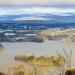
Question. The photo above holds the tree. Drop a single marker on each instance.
(67, 57)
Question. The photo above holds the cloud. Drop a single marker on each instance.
(35, 2)
(37, 11)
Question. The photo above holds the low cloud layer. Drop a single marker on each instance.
(35, 2)
(37, 10)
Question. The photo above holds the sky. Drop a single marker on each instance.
(26, 8)
(37, 10)
(36, 2)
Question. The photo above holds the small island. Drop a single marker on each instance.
(40, 60)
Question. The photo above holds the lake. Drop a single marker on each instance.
(38, 49)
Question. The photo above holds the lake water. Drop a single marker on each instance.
(20, 48)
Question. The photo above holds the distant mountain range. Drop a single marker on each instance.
(63, 18)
